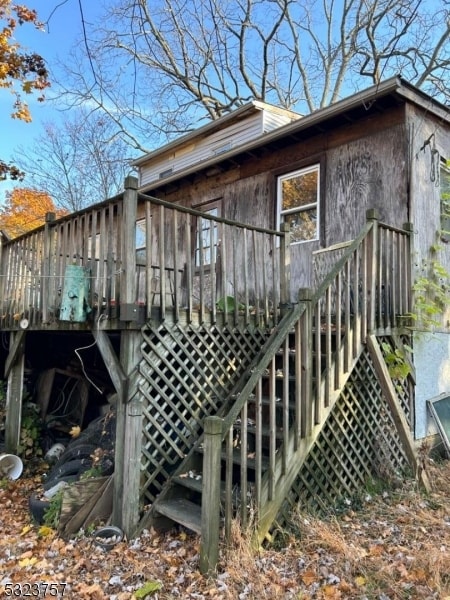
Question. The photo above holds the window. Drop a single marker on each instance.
(298, 202)
(445, 201)
(140, 240)
(205, 251)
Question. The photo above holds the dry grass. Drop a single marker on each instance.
(395, 546)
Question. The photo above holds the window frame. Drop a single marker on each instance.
(304, 170)
(206, 207)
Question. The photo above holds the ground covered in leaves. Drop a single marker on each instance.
(391, 545)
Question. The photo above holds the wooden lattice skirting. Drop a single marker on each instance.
(185, 375)
(358, 441)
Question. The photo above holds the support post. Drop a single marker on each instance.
(285, 268)
(127, 469)
(128, 307)
(209, 549)
(14, 395)
(372, 264)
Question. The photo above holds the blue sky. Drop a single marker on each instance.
(62, 29)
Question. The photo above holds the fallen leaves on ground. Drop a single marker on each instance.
(396, 545)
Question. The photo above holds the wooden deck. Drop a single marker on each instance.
(222, 372)
(135, 258)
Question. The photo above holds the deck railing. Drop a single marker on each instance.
(186, 263)
(297, 378)
(210, 265)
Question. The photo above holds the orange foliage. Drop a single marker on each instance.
(24, 210)
(20, 72)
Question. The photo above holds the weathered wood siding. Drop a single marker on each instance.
(363, 165)
(370, 172)
(429, 141)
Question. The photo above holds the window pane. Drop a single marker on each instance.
(299, 190)
(303, 225)
(206, 239)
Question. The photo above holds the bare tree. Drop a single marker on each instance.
(161, 67)
(77, 163)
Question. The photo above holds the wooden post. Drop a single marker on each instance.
(408, 301)
(209, 549)
(46, 265)
(129, 407)
(127, 469)
(306, 333)
(285, 268)
(128, 307)
(14, 393)
(372, 265)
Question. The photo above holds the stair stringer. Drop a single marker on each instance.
(298, 450)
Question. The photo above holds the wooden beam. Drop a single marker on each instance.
(398, 415)
(16, 349)
(127, 470)
(111, 361)
(14, 395)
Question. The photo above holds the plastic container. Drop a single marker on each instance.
(107, 537)
(11, 466)
(54, 453)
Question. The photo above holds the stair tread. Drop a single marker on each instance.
(182, 511)
(251, 460)
(265, 431)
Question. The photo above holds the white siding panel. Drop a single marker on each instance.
(273, 121)
(237, 134)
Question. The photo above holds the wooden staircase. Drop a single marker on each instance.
(254, 447)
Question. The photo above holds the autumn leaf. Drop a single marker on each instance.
(25, 529)
(75, 431)
(149, 588)
(45, 531)
(21, 71)
(308, 577)
(28, 562)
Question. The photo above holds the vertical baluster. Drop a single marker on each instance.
(306, 325)
(162, 262)
(337, 365)
(348, 310)
(149, 278)
(213, 260)
(189, 268)
(272, 426)
(317, 360)
(298, 384)
(328, 357)
(176, 274)
(244, 466)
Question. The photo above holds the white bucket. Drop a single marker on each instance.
(11, 466)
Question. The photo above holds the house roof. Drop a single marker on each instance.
(391, 92)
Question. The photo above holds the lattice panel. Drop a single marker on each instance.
(186, 375)
(358, 440)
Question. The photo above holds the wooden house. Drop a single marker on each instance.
(250, 296)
